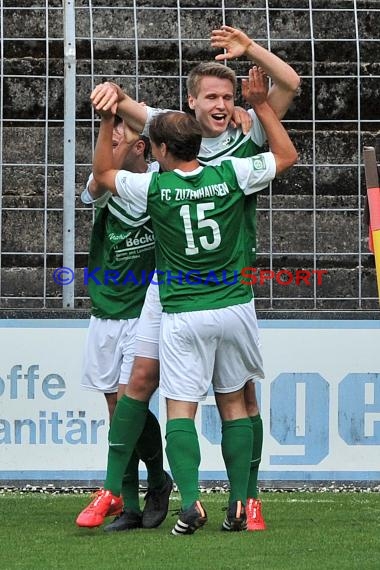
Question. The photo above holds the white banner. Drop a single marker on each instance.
(320, 404)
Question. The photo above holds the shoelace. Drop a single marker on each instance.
(95, 496)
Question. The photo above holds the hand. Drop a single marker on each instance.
(255, 88)
(105, 97)
(234, 41)
(241, 118)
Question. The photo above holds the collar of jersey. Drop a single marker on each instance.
(185, 174)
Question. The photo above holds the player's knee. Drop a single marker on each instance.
(144, 378)
(250, 399)
(111, 403)
(231, 405)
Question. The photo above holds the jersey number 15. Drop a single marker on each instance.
(202, 222)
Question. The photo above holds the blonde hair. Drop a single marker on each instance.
(208, 69)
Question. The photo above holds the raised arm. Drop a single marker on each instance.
(122, 139)
(285, 80)
(131, 187)
(110, 97)
(254, 91)
(102, 164)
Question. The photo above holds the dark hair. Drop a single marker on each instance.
(179, 131)
(147, 149)
(117, 120)
(209, 69)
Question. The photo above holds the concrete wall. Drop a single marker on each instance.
(337, 107)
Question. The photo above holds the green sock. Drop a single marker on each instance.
(257, 425)
(184, 456)
(130, 484)
(126, 427)
(149, 449)
(237, 449)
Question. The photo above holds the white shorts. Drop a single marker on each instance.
(219, 346)
(148, 329)
(109, 354)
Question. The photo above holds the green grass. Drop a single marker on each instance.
(306, 531)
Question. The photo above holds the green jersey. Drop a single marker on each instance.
(121, 257)
(200, 240)
(233, 142)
